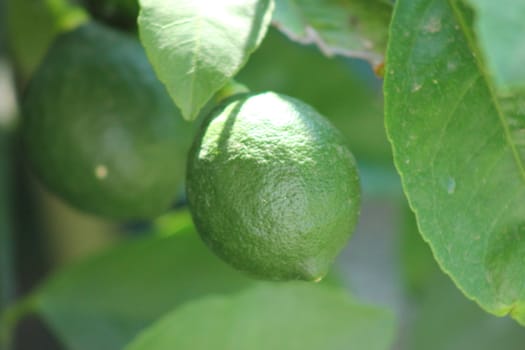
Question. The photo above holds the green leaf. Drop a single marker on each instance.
(32, 26)
(418, 264)
(459, 150)
(354, 28)
(445, 319)
(293, 316)
(196, 46)
(441, 317)
(103, 302)
(499, 26)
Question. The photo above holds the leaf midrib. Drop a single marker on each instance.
(483, 73)
(194, 64)
(501, 116)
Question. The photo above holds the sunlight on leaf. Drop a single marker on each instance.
(196, 46)
(284, 316)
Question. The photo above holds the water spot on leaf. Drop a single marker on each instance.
(451, 185)
(416, 87)
(433, 26)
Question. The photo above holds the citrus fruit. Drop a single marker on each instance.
(100, 129)
(346, 85)
(272, 187)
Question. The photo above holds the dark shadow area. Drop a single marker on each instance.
(33, 334)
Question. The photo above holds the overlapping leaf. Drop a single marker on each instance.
(102, 303)
(354, 28)
(291, 316)
(196, 46)
(499, 27)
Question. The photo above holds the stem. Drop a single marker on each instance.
(6, 243)
(231, 88)
(7, 110)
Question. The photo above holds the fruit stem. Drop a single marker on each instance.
(231, 88)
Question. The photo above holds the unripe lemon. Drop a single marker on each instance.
(272, 187)
(100, 129)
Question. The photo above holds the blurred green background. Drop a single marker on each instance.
(386, 262)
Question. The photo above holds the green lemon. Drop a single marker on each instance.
(100, 129)
(272, 187)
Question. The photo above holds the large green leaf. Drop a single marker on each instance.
(196, 46)
(459, 150)
(293, 316)
(103, 302)
(499, 27)
(355, 28)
